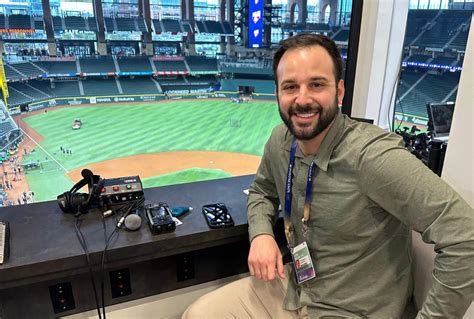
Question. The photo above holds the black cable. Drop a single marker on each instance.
(391, 124)
(104, 256)
(102, 278)
(83, 243)
(108, 240)
(403, 113)
(128, 208)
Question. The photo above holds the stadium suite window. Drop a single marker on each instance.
(120, 8)
(434, 45)
(64, 152)
(165, 9)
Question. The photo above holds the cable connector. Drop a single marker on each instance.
(121, 221)
(107, 213)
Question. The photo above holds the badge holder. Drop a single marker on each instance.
(303, 263)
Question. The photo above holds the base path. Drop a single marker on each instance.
(150, 165)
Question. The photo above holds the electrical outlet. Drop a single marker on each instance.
(120, 283)
(184, 267)
(62, 297)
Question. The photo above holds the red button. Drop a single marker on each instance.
(115, 188)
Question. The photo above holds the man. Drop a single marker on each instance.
(350, 194)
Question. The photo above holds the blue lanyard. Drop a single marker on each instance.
(288, 191)
(289, 181)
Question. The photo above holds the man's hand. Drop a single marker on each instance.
(265, 258)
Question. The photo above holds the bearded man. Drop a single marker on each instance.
(351, 195)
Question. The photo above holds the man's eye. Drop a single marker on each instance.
(317, 85)
(289, 87)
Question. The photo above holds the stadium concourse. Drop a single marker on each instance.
(14, 182)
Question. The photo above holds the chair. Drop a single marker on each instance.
(423, 264)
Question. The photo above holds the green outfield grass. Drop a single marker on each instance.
(123, 130)
(185, 176)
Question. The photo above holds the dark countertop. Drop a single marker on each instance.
(44, 245)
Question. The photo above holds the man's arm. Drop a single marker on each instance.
(404, 187)
(262, 207)
(262, 203)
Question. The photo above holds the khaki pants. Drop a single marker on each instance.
(245, 298)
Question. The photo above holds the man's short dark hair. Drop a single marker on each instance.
(303, 40)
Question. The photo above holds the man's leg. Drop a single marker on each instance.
(244, 298)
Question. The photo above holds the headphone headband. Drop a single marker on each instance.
(74, 202)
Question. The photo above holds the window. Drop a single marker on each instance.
(434, 46)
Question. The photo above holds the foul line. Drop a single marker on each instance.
(31, 138)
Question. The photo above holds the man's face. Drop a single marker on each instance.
(307, 92)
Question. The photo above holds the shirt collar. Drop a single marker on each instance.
(327, 146)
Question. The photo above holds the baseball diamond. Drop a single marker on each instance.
(164, 143)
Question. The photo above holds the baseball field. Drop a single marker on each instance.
(164, 143)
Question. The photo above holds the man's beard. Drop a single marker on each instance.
(326, 116)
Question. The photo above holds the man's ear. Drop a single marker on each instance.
(341, 90)
(276, 93)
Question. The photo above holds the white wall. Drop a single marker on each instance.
(458, 169)
(379, 59)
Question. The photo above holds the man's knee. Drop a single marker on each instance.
(244, 298)
(224, 302)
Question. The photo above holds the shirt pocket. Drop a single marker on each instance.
(346, 215)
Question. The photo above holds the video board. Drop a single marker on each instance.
(255, 27)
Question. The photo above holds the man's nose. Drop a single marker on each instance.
(303, 97)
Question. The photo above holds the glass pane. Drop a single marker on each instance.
(159, 109)
(313, 11)
(165, 9)
(435, 42)
(120, 8)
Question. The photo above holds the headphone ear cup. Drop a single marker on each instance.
(64, 202)
(79, 202)
(133, 222)
(74, 202)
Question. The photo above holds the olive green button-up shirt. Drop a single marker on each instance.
(368, 193)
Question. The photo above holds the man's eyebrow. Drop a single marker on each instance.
(312, 79)
(288, 81)
(319, 78)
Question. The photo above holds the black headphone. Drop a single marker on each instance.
(78, 203)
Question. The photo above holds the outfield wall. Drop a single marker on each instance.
(182, 94)
(261, 86)
(94, 100)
